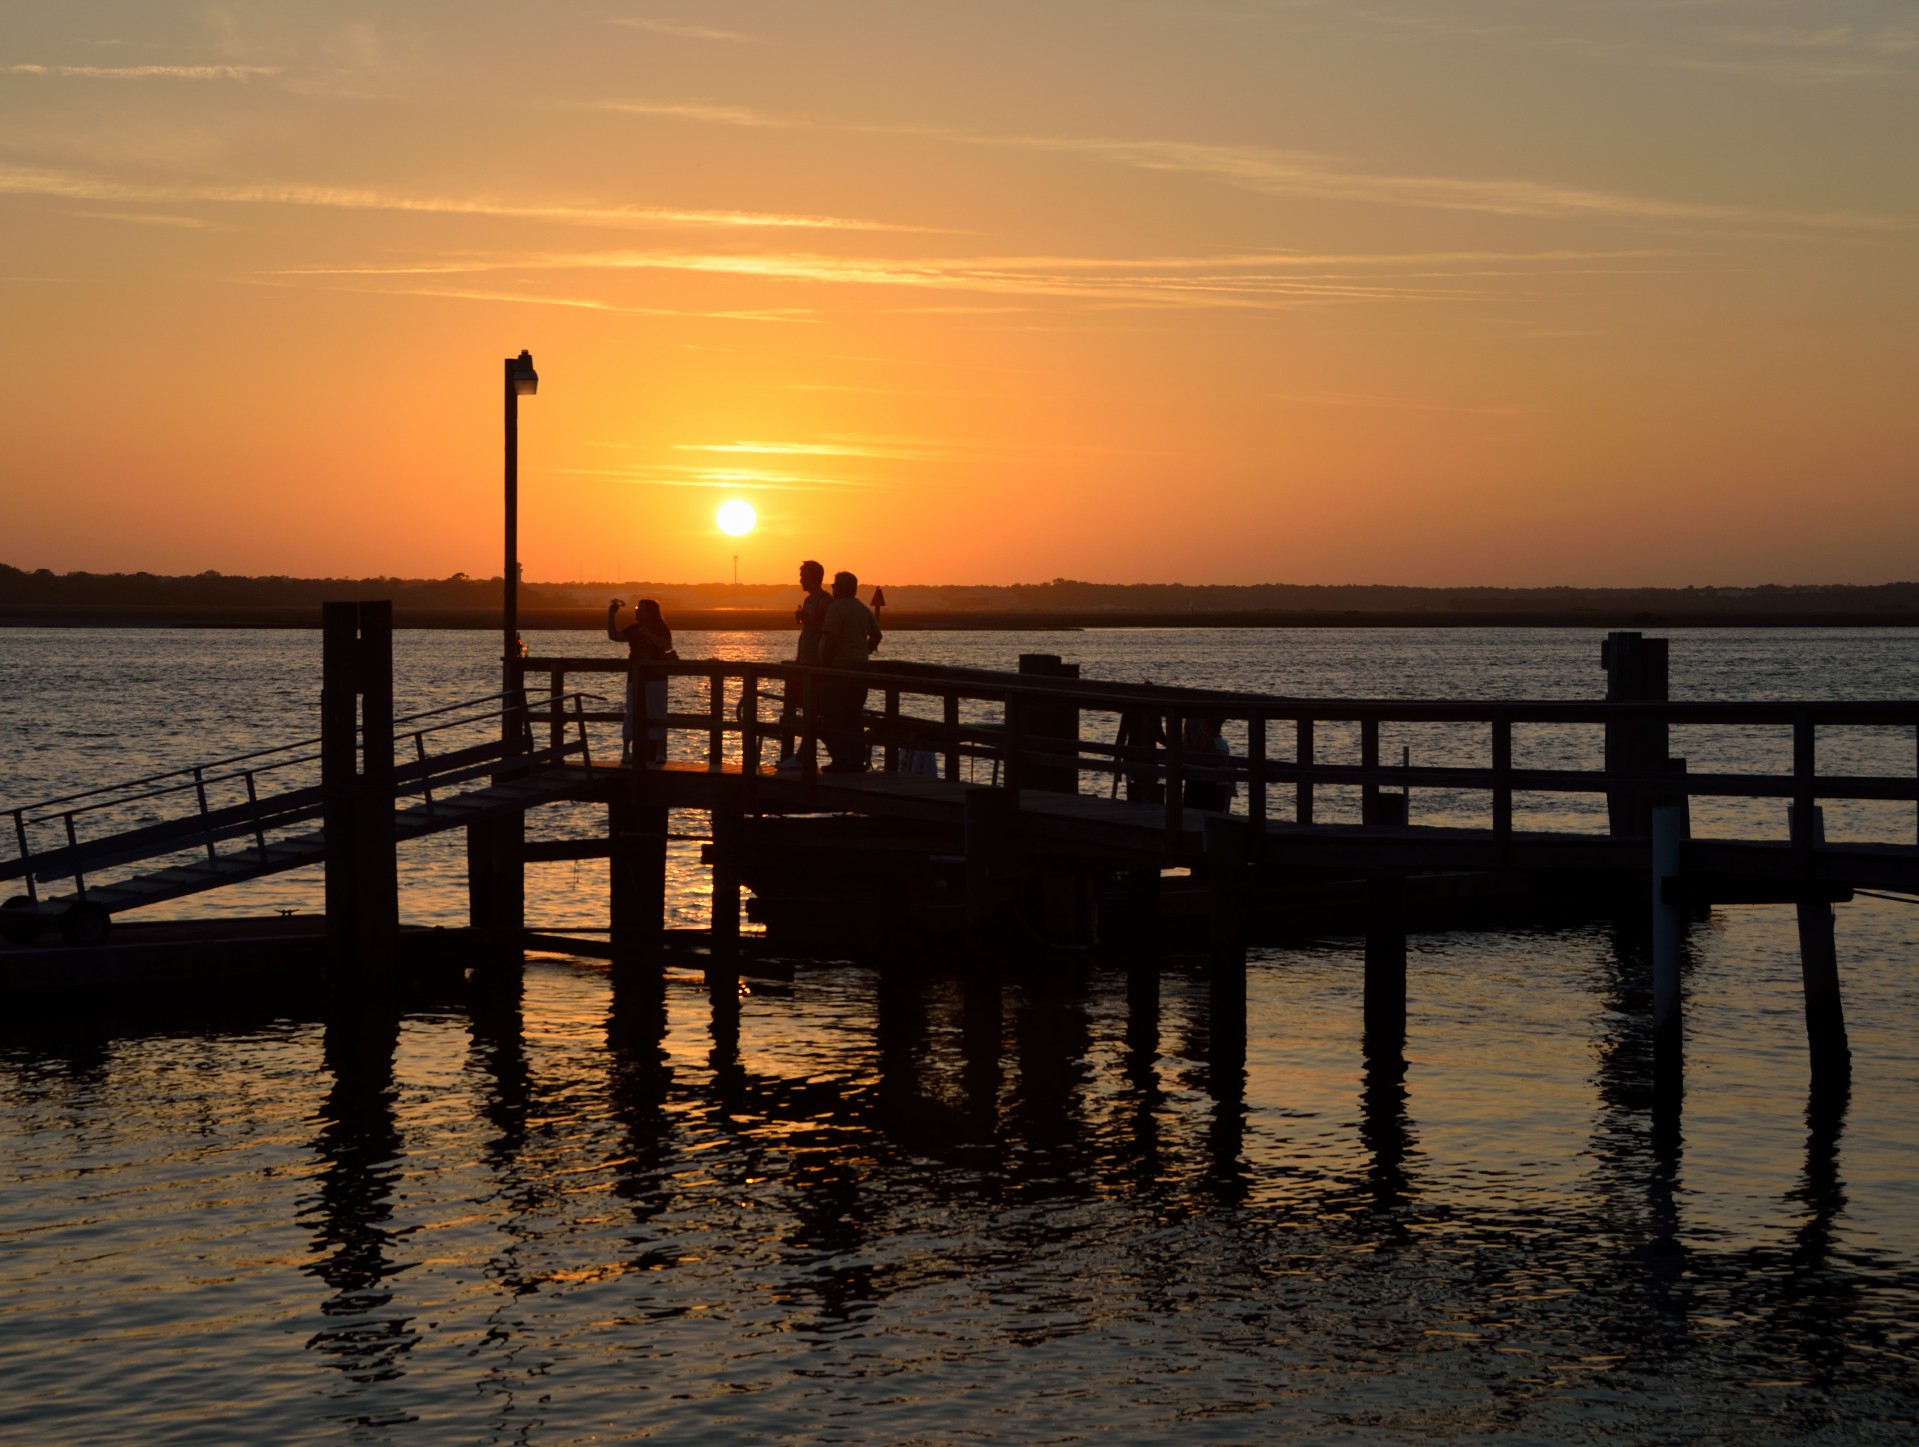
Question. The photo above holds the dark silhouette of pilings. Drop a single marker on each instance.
(1827, 1045)
(496, 891)
(356, 786)
(636, 886)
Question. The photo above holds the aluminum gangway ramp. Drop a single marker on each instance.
(276, 813)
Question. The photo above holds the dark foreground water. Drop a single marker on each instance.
(870, 1216)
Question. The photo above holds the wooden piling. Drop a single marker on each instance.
(1385, 1008)
(1141, 946)
(356, 784)
(1668, 942)
(723, 937)
(1047, 727)
(1636, 671)
(1230, 845)
(636, 884)
(496, 891)
(988, 828)
(1826, 1041)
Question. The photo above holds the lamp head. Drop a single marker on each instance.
(526, 381)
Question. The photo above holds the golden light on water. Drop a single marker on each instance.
(736, 517)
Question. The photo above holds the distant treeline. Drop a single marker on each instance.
(224, 590)
(460, 593)
(1065, 593)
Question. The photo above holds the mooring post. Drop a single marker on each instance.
(1636, 672)
(1668, 942)
(1048, 727)
(356, 787)
(1826, 1040)
(1385, 1008)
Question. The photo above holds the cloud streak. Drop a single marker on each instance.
(1283, 173)
(1277, 172)
(709, 477)
(764, 314)
(682, 32)
(1257, 280)
(147, 72)
(19, 181)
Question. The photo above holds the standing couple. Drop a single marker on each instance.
(837, 632)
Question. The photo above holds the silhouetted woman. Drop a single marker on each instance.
(648, 640)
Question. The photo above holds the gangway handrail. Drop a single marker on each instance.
(207, 825)
(196, 775)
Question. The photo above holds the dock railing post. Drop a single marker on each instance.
(1303, 757)
(1369, 763)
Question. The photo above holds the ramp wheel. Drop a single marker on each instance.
(85, 923)
(19, 924)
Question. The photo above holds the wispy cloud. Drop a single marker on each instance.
(880, 447)
(67, 186)
(147, 72)
(1669, 34)
(891, 452)
(693, 111)
(1126, 282)
(1312, 175)
(1287, 173)
(148, 218)
(580, 303)
(682, 32)
(707, 477)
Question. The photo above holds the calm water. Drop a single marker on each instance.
(574, 1218)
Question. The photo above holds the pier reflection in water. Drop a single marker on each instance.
(869, 1206)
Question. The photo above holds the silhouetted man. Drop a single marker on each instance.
(811, 616)
(849, 633)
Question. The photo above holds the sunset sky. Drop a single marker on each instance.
(1490, 291)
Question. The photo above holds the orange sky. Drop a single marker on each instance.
(1218, 291)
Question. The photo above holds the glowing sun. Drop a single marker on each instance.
(736, 518)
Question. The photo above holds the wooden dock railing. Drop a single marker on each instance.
(1007, 724)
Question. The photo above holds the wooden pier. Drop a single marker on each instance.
(1028, 815)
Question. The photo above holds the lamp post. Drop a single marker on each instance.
(521, 381)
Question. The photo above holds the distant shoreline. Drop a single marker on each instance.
(593, 620)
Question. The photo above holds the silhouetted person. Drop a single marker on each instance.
(647, 640)
(848, 634)
(811, 616)
(1207, 784)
